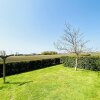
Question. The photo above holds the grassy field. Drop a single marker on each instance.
(39, 57)
(53, 83)
(85, 54)
(28, 58)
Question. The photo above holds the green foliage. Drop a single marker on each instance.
(49, 53)
(19, 67)
(86, 62)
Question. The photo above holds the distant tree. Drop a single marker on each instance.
(49, 53)
(72, 41)
(2, 53)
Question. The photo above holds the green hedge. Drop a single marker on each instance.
(19, 67)
(90, 63)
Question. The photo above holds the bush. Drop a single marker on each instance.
(19, 67)
(86, 62)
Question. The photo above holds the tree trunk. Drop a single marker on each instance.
(4, 70)
(76, 63)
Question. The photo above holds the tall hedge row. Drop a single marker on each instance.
(88, 62)
(19, 67)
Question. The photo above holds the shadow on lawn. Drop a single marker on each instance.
(2, 87)
(6, 85)
(19, 83)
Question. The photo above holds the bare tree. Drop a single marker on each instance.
(4, 57)
(72, 41)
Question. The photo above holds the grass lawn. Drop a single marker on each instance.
(53, 83)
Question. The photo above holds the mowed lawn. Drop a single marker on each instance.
(53, 83)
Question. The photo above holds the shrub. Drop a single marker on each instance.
(86, 62)
(19, 67)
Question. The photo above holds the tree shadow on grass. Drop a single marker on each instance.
(6, 85)
(19, 83)
(2, 87)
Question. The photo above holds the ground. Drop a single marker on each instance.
(52, 83)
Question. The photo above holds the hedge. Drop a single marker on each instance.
(87, 62)
(19, 67)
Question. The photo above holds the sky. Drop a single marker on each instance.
(32, 26)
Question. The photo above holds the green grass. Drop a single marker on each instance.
(53, 83)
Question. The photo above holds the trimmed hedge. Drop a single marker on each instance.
(19, 67)
(89, 62)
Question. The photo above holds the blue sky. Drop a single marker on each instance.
(28, 26)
